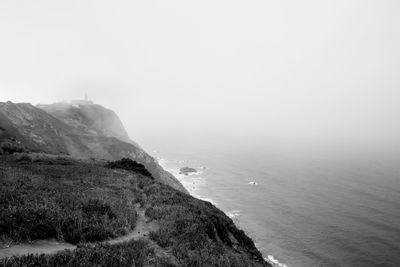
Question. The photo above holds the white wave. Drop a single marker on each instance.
(233, 214)
(191, 174)
(274, 261)
(161, 161)
(191, 182)
(206, 199)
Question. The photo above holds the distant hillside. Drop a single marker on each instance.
(88, 118)
(83, 130)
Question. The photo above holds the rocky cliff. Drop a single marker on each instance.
(83, 130)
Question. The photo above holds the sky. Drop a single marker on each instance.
(321, 72)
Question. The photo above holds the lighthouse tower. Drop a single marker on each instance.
(85, 101)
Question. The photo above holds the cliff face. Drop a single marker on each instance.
(81, 130)
(111, 200)
(90, 119)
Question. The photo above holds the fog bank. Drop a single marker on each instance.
(290, 73)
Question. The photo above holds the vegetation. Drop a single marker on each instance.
(46, 197)
(197, 233)
(82, 201)
(129, 165)
(10, 147)
(133, 253)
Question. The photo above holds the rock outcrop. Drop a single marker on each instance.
(187, 170)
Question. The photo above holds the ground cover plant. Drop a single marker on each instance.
(47, 197)
(196, 232)
(133, 253)
(129, 165)
(82, 201)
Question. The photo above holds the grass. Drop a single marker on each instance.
(10, 147)
(82, 201)
(197, 233)
(44, 197)
(129, 165)
(133, 253)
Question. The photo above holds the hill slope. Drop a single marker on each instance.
(43, 197)
(81, 130)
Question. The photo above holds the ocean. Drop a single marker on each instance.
(314, 210)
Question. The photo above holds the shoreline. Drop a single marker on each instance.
(192, 183)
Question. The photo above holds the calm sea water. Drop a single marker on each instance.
(304, 211)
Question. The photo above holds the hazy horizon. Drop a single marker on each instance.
(289, 73)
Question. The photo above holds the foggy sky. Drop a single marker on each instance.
(299, 71)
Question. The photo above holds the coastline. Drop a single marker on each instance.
(193, 183)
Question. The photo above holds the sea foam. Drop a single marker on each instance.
(188, 180)
(191, 182)
(274, 261)
(233, 214)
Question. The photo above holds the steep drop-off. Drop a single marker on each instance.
(137, 220)
(83, 130)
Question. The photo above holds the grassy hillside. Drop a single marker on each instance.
(81, 131)
(56, 197)
(81, 201)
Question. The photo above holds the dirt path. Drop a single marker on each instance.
(49, 246)
(142, 229)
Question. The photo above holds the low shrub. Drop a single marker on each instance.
(196, 232)
(85, 202)
(129, 165)
(23, 158)
(53, 160)
(58, 205)
(96, 207)
(11, 147)
(162, 237)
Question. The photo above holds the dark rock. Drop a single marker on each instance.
(187, 170)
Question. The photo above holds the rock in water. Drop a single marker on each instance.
(187, 170)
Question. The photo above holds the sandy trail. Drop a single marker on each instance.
(49, 246)
(143, 228)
